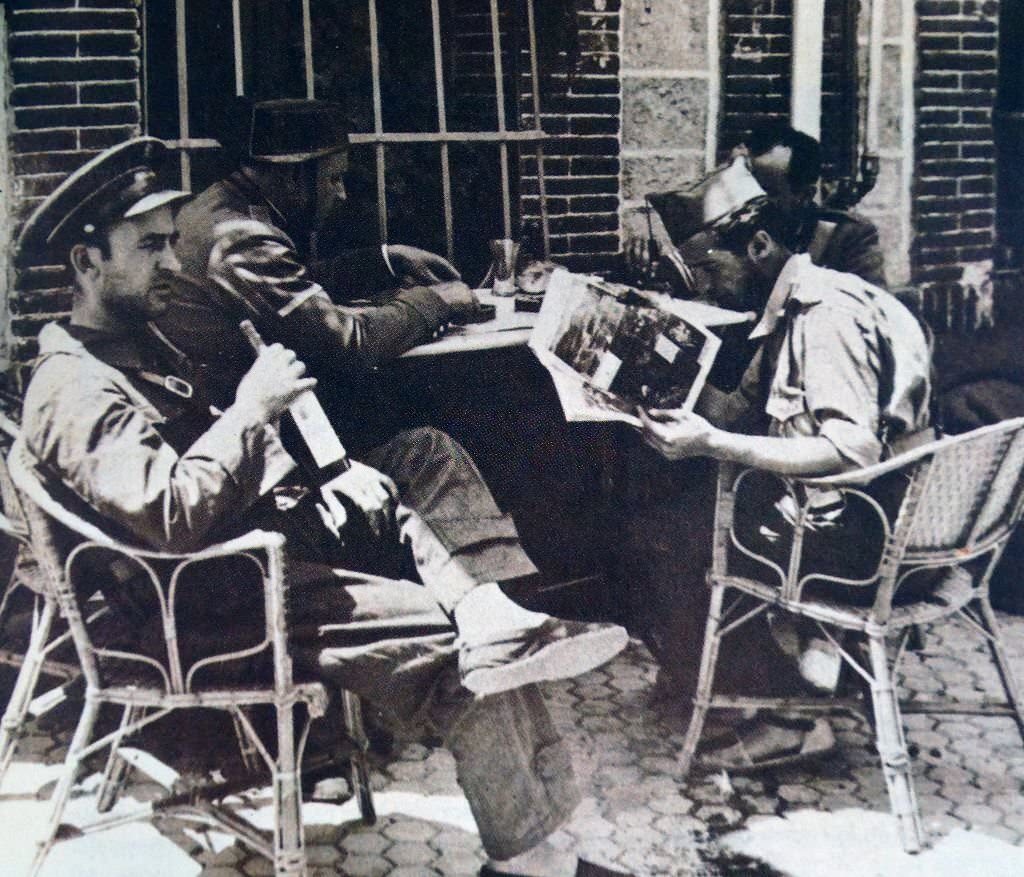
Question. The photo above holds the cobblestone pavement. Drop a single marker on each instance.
(637, 813)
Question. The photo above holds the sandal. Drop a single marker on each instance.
(776, 748)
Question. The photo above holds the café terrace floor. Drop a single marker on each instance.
(829, 817)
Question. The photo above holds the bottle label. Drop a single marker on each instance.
(316, 429)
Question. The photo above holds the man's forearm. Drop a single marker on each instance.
(798, 456)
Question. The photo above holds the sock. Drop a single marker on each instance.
(485, 612)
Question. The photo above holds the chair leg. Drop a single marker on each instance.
(289, 849)
(25, 685)
(705, 681)
(249, 755)
(352, 710)
(115, 774)
(83, 732)
(892, 747)
(998, 650)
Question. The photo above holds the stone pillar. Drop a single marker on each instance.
(670, 86)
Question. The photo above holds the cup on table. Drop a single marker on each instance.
(504, 253)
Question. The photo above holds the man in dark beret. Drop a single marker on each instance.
(247, 246)
(115, 421)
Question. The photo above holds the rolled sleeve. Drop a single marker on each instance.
(858, 446)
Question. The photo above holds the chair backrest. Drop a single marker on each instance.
(64, 544)
(968, 492)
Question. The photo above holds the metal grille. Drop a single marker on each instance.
(502, 134)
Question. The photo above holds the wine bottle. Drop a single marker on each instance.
(311, 421)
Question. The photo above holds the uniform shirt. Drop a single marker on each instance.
(841, 359)
(162, 472)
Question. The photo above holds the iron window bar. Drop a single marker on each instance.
(380, 138)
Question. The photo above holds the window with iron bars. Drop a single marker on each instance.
(444, 98)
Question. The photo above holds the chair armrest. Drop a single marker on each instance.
(860, 477)
(254, 540)
(867, 474)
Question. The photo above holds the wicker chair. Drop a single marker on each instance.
(151, 682)
(963, 498)
(35, 658)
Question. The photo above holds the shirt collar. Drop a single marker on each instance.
(786, 286)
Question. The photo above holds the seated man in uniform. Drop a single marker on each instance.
(787, 164)
(840, 378)
(114, 422)
(247, 250)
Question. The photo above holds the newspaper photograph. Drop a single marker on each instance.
(611, 349)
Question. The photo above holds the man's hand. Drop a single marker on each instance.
(273, 382)
(461, 300)
(676, 434)
(372, 492)
(419, 267)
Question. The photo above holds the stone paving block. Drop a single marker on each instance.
(411, 830)
(258, 866)
(666, 766)
(451, 841)
(642, 837)
(414, 871)
(630, 683)
(798, 794)
(364, 843)
(942, 823)
(634, 819)
(933, 805)
(322, 856)
(977, 814)
(410, 853)
(1001, 832)
(719, 816)
(671, 805)
(949, 776)
(366, 866)
(747, 785)
(596, 707)
(829, 802)
(592, 826)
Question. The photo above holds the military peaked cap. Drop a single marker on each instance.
(119, 183)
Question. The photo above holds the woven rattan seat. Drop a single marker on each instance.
(961, 499)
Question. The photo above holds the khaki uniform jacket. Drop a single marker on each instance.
(840, 358)
(238, 262)
(89, 427)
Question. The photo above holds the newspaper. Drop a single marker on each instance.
(611, 349)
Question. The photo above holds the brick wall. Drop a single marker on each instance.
(755, 65)
(581, 103)
(954, 189)
(74, 67)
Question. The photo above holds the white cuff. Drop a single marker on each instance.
(387, 259)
